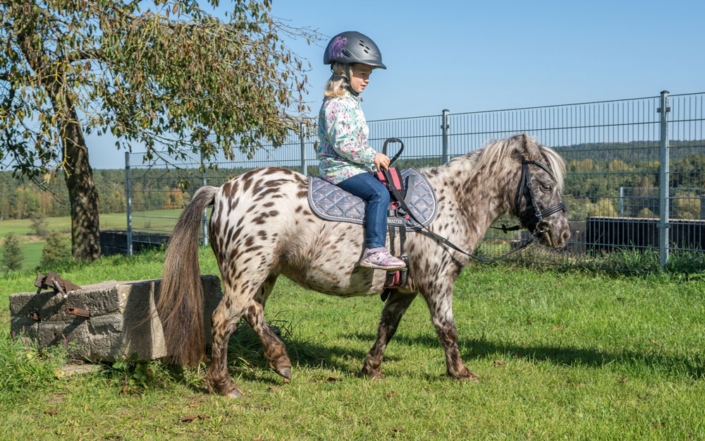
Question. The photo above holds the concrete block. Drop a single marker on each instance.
(123, 319)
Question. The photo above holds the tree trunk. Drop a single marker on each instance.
(85, 210)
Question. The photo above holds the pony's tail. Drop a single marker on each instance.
(180, 303)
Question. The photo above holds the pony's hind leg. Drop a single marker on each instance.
(244, 295)
(239, 295)
(274, 348)
(225, 319)
(394, 308)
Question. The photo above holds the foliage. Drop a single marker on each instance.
(171, 77)
(173, 70)
(687, 206)
(39, 225)
(598, 171)
(11, 253)
(630, 260)
(56, 250)
(137, 376)
(25, 367)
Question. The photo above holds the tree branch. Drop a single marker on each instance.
(83, 55)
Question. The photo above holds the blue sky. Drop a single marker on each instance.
(468, 55)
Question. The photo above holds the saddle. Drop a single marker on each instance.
(330, 202)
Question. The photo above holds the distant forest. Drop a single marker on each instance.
(595, 173)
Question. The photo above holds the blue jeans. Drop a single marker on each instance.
(376, 196)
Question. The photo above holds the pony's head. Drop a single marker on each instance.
(537, 181)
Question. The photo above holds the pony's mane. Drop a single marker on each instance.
(492, 154)
(555, 163)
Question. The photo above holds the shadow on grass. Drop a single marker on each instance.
(247, 362)
(246, 359)
(321, 355)
(479, 349)
(246, 355)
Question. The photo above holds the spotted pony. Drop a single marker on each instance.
(262, 227)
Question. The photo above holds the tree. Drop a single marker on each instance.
(686, 206)
(604, 207)
(173, 78)
(11, 253)
(56, 250)
(39, 224)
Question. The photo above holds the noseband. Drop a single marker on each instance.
(525, 187)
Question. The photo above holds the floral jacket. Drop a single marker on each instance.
(342, 132)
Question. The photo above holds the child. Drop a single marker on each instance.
(345, 157)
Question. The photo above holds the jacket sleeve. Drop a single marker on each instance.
(345, 135)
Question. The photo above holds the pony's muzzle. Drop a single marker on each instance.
(543, 229)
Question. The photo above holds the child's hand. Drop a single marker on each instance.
(381, 161)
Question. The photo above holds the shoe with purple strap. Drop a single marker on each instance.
(379, 258)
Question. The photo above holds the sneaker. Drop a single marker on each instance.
(379, 258)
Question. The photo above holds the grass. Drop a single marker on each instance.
(560, 355)
(32, 245)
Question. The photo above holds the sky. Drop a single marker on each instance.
(469, 55)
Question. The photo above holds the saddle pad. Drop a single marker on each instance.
(330, 202)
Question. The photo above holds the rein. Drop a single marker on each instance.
(524, 188)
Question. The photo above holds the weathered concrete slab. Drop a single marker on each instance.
(123, 319)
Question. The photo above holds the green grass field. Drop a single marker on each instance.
(560, 355)
(31, 246)
(156, 221)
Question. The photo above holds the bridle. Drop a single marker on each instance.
(525, 190)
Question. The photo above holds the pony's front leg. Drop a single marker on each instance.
(394, 308)
(441, 306)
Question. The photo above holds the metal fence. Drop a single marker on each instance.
(635, 169)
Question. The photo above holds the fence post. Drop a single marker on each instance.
(128, 203)
(204, 217)
(444, 131)
(664, 182)
(621, 201)
(302, 140)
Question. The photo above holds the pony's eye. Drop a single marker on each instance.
(545, 187)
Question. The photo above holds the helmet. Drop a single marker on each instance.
(353, 47)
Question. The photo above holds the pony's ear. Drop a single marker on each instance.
(529, 149)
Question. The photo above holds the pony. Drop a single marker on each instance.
(261, 227)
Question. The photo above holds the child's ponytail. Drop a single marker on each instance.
(338, 81)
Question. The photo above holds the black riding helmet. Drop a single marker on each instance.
(353, 47)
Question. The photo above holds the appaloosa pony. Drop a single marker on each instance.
(261, 227)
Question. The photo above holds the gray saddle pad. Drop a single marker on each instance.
(330, 202)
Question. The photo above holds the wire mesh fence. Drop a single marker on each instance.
(635, 172)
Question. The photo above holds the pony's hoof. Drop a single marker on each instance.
(284, 372)
(466, 376)
(235, 393)
(372, 375)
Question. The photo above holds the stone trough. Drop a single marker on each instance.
(122, 320)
